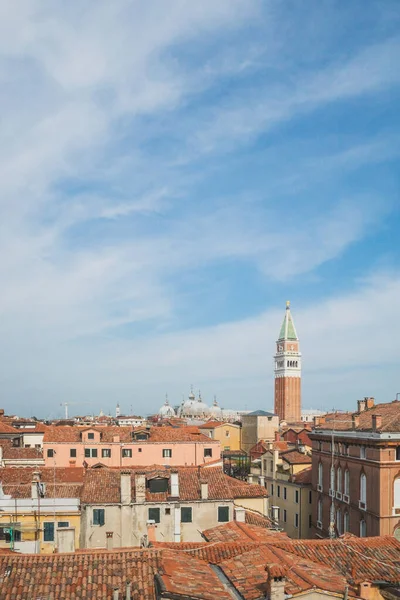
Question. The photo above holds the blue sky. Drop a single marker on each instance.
(172, 173)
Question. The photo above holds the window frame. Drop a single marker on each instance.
(51, 526)
(50, 453)
(106, 453)
(99, 515)
(207, 452)
(72, 452)
(91, 453)
(126, 452)
(167, 453)
(156, 512)
(189, 512)
(222, 511)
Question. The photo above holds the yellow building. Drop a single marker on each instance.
(228, 434)
(40, 510)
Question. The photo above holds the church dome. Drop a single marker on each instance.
(166, 411)
(194, 409)
(201, 409)
(216, 411)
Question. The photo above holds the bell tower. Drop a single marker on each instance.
(288, 372)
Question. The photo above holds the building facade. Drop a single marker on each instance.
(228, 434)
(288, 372)
(124, 446)
(118, 506)
(286, 474)
(356, 471)
(256, 426)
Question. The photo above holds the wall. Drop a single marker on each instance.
(143, 453)
(231, 442)
(129, 523)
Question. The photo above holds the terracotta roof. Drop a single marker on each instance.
(19, 452)
(254, 518)
(7, 429)
(73, 434)
(17, 481)
(389, 412)
(214, 424)
(304, 477)
(233, 531)
(103, 486)
(294, 457)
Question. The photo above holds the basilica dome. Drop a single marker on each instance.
(216, 411)
(166, 411)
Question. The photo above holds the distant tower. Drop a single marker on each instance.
(117, 411)
(288, 371)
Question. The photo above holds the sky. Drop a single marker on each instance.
(170, 174)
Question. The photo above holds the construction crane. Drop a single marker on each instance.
(66, 404)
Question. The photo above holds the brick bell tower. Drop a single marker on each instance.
(288, 372)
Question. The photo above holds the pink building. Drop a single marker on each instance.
(69, 446)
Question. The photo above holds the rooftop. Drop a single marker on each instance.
(362, 421)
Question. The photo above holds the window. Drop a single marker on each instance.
(139, 449)
(271, 464)
(319, 511)
(90, 436)
(310, 497)
(296, 496)
(398, 453)
(284, 493)
(265, 465)
(363, 452)
(272, 489)
(296, 520)
(167, 453)
(154, 515)
(396, 493)
(363, 488)
(48, 532)
(207, 452)
(72, 452)
(158, 484)
(126, 453)
(347, 482)
(106, 453)
(320, 474)
(98, 516)
(363, 528)
(10, 531)
(339, 521)
(223, 514)
(339, 479)
(186, 514)
(346, 522)
(284, 516)
(167, 511)
(346, 449)
(279, 491)
(227, 433)
(90, 452)
(63, 524)
(141, 436)
(50, 453)
(319, 446)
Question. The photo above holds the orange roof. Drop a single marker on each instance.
(233, 531)
(294, 457)
(73, 434)
(389, 412)
(103, 486)
(214, 424)
(11, 452)
(17, 481)
(303, 478)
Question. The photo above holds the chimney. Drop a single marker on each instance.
(116, 594)
(151, 531)
(174, 484)
(355, 421)
(376, 422)
(126, 487)
(250, 478)
(140, 487)
(240, 514)
(261, 480)
(109, 540)
(128, 590)
(319, 420)
(361, 405)
(204, 489)
(277, 436)
(370, 402)
(276, 581)
(34, 485)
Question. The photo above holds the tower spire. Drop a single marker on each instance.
(288, 371)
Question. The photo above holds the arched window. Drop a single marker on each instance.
(347, 482)
(297, 364)
(363, 528)
(339, 479)
(339, 521)
(319, 512)
(396, 493)
(332, 478)
(363, 488)
(287, 363)
(320, 474)
(346, 522)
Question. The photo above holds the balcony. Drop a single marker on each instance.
(319, 524)
(332, 493)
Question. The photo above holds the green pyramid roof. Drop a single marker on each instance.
(288, 330)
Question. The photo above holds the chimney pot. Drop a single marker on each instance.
(370, 402)
(240, 514)
(174, 484)
(204, 489)
(361, 405)
(376, 422)
(109, 540)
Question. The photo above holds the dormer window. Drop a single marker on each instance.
(158, 484)
(140, 435)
